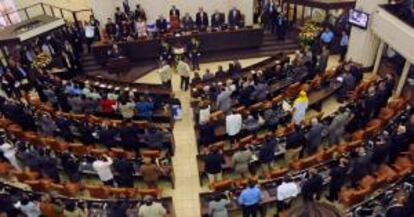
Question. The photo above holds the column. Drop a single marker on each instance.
(363, 43)
(403, 79)
(379, 57)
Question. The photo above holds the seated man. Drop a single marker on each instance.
(217, 19)
(234, 17)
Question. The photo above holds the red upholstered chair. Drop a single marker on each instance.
(49, 210)
(277, 173)
(97, 151)
(403, 166)
(373, 127)
(352, 196)
(368, 182)
(151, 153)
(292, 90)
(277, 99)
(154, 192)
(15, 130)
(5, 168)
(42, 185)
(385, 174)
(79, 149)
(358, 135)
(397, 104)
(217, 115)
(4, 123)
(246, 140)
(386, 114)
(27, 175)
(101, 192)
(256, 107)
(222, 185)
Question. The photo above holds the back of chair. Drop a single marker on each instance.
(49, 210)
(154, 192)
(151, 153)
(101, 192)
(222, 185)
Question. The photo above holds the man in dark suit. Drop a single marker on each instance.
(234, 17)
(187, 22)
(174, 12)
(338, 177)
(110, 29)
(217, 19)
(124, 171)
(161, 24)
(281, 26)
(201, 19)
(313, 186)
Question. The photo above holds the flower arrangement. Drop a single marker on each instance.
(41, 61)
(308, 33)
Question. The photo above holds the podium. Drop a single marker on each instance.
(118, 65)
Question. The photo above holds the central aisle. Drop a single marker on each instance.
(187, 185)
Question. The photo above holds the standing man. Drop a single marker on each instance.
(233, 125)
(194, 53)
(102, 166)
(250, 199)
(343, 44)
(187, 23)
(201, 19)
(223, 101)
(213, 164)
(183, 69)
(281, 26)
(174, 12)
(314, 137)
(151, 209)
(234, 18)
(217, 20)
(165, 74)
(338, 176)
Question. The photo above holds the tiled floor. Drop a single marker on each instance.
(186, 194)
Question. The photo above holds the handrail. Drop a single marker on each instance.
(44, 8)
(45, 4)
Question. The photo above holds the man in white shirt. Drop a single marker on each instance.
(102, 166)
(286, 191)
(233, 124)
(165, 74)
(151, 209)
(183, 69)
(9, 152)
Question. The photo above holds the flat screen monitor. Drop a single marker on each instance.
(358, 18)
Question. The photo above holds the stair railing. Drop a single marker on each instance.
(38, 9)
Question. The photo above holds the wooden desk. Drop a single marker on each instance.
(167, 202)
(210, 41)
(118, 65)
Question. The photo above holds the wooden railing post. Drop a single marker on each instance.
(27, 13)
(75, 18)
(53, 11)
(9, 19)
(43, 8)
(61, 13)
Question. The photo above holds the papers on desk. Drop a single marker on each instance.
(286, 106)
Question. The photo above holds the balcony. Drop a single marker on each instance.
(393, 25)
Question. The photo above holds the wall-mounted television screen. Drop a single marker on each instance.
(358, 18)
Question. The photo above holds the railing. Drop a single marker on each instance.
(46, 9)
(404, 12)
